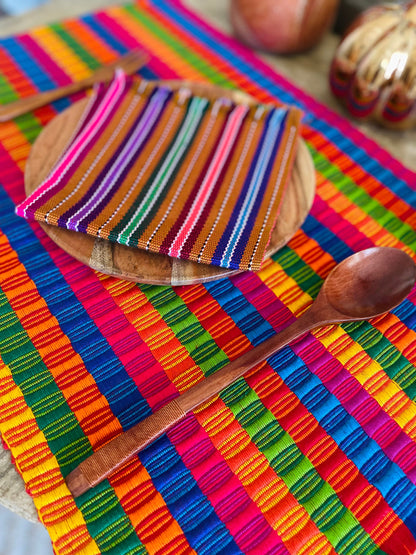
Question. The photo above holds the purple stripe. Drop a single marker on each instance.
(120, 164)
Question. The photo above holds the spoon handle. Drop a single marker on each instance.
(114, 454)
(130, 63)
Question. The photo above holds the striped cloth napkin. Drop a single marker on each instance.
(168, 171)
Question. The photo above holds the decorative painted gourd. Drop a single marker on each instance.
(374, 67)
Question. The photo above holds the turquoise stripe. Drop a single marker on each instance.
(172, 159)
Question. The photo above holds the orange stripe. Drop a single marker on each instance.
(340, 203)
(154, 44)
(86, 37)
(364, 180)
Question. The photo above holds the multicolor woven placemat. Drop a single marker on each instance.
(314, 452)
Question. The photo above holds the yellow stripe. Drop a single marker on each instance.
(61, 53)
(162, 342)
(69, 534)
(391, 398)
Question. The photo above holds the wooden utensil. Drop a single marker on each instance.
(138, 265)
(364, 285)
(130, 63)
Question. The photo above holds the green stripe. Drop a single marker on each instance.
(27, 124)
(85, 56)
(59, 426)
(192, 58)
(360, 198)
(318, 498)
(126, 219)
(379, 348)
(7, 93)
(186, 327)
(182, 138)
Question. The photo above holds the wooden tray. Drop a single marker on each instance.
(137, 265)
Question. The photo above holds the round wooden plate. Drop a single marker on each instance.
(137, 265)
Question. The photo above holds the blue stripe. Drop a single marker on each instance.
(222, 243)
(205, 532)
(245, 316)
(105, 35)
(261, 173)
(32, 69)
(86, 339)
(346, 431)
(327, 239)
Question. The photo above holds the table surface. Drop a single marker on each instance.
(309, 71)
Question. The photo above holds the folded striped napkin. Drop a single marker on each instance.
(168, 171)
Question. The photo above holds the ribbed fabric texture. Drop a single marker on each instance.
(314, 452)
(167, 171)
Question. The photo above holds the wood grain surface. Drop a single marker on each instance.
(140, 266)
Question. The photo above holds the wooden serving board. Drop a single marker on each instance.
(137, 265)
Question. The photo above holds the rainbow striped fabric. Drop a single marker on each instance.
(314, 452)
(194, 177)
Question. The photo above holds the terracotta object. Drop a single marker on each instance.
(366, 284)
(280, 26)
(138, 265)
(373, 71)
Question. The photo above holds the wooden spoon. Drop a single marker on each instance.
(366, 284)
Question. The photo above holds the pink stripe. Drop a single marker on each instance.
(156, 65)
(48, 64)
(78, 146)
(249, 527)
(214, 171)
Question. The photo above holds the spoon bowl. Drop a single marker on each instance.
(364, 285)
(370, 282)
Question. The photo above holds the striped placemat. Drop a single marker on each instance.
(315, 451)
(194, 177)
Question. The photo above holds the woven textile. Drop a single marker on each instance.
(168, 171)
(314, 452)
